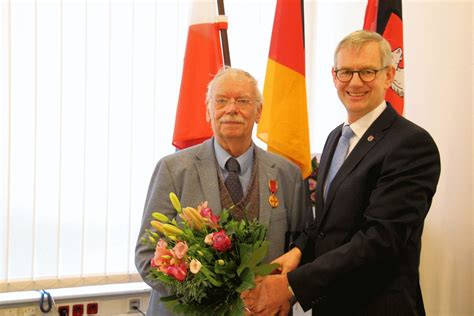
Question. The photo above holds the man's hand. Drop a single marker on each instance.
(271, 296)
(289, 261)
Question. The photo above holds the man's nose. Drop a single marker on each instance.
(355, 80)
(232, 106)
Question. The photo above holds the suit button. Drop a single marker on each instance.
(321, 235)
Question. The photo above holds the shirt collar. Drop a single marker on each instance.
(361, 126)
(245, 160)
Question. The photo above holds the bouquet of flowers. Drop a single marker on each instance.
(206, 260)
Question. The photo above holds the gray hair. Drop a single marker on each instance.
(357, 39)
(226, 70)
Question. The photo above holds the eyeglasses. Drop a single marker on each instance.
(239, 102)
(366, 75)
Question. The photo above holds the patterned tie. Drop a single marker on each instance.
(339, 156)
(233, 182)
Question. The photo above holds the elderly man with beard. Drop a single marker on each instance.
(228, 170)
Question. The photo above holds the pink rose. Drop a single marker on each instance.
(206, 212)
(177, 271)
(220, 241)
(312, 184)
(180, 249)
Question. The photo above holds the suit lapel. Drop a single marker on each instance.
(370, 139)
(266, 172)
(205, 163)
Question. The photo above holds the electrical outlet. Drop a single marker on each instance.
(63, 310)
(78, 310)
(133, 304)
(92, 308)
(10, 312)
(28, 311)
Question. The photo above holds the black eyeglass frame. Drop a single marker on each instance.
(376, 71)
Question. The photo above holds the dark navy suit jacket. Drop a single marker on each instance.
(366, 238)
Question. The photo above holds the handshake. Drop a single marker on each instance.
(272, 293)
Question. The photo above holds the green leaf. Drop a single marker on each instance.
(169, 298)
(265, 269)
(245, 256)
(263, 233)
(248, 281)
(210, 276)
(228, 268)
(163, 277)
(224, 217)
(259, 254)
(236, 308)
(171, 304)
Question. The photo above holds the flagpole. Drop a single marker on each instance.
(224, 40)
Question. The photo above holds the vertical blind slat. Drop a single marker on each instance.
(72, 140)
(95, 184)
(121, 83)
(141, 159)
(47, 138)
(22, 162)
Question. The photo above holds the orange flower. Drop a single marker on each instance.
(162, 256)
(180, 249)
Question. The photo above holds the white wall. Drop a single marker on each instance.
(438, 72)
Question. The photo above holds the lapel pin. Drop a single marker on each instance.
(370, 138)
(273, 187)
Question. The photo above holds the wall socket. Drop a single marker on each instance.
(28, 311)
(133, 304)
(10, 312)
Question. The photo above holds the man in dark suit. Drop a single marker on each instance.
(199, 173)
(365, 241)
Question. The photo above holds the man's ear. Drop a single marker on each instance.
(259, 113)
(208, 115)
(389, 76)
(333, 75)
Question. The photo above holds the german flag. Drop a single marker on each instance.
(203, 58)
(385, 18)
(284, 122)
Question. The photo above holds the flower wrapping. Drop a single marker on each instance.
(206, 260)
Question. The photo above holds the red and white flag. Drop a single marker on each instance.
(202, 60)
(385, 18)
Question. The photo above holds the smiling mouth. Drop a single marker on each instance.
(356, 94)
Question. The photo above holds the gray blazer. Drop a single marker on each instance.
(192, 175)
